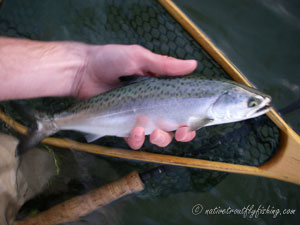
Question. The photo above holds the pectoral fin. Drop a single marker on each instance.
(195, 123)
(92, 137)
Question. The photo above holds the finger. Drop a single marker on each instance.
(150, 63)
(168, 66)
(184, 135)
(136, 138)
(192, 135)
(161, 138)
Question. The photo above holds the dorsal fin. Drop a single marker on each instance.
(126, 80)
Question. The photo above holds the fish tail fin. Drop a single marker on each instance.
(42, 128)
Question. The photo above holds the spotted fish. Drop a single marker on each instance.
(164, 103)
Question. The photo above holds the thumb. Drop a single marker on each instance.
(166, 66)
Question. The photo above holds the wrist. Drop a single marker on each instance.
(76, 55)
(85, 80)
(60, 64)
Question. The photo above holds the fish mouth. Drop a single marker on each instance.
(263, 108)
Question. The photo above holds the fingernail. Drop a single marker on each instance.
(193, 62)
(159, 139)
(138, 137)
(183, 137)
(135, 146)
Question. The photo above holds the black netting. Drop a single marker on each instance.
(147, 23)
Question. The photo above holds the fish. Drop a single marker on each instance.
(165, 103)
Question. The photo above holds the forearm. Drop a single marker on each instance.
(31, 69)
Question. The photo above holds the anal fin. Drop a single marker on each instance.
(92, 137)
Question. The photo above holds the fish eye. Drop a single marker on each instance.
(252, 103)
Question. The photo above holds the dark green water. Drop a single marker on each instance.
(247, 38)
(261, 38)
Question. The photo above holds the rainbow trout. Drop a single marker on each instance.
(165, 103)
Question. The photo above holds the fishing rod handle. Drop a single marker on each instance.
(76, 207)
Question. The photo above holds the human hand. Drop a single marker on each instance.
(158, 137)
(105, 64)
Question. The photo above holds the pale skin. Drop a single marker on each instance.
(30, 69)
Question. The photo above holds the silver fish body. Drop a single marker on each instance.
(165, 103)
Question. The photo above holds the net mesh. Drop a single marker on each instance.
(146, 23)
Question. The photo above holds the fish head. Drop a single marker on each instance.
(240, 103)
